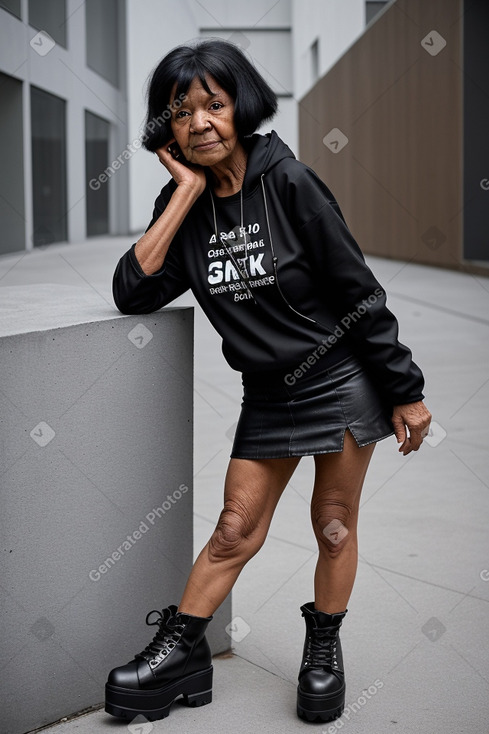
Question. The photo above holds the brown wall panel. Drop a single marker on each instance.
(399, 177)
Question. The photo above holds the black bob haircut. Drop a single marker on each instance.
(254, 100)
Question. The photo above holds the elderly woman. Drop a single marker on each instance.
(263, 245)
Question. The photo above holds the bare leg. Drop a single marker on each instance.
(334, 513)
(251, 493)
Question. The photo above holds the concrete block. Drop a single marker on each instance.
(96, 424)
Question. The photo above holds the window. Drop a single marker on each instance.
(96, 161)
(13, 6)
(48, 125)
(102, 38)
(372, 8)
(315, 61)
(12, 209)
(50, 16)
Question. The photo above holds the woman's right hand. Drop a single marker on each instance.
(411, 425)
(184, 174)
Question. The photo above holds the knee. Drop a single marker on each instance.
(235, 536)
(332, 523)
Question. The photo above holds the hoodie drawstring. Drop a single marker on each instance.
(242, 271)
(275, 258)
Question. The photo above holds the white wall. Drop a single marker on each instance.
(249, 14)
(276, 36)
(263, 30)
(153, 29)
(336, 23)
(175, 21)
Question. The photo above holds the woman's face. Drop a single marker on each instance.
(204, 125)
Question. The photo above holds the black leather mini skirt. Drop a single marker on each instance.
(304, 412)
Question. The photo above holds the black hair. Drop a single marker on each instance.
(254, 100)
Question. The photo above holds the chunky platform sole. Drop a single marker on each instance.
(154, 704)
(318, 707)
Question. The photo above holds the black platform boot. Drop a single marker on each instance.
(321, 690)
(177, 662)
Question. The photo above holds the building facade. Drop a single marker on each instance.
(72, 98)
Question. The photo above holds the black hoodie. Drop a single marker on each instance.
(286, 291)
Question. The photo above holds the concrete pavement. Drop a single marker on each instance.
(415, 637)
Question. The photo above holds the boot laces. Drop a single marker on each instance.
(167, 636)
(321, 649)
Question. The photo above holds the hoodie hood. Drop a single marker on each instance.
(264, 152)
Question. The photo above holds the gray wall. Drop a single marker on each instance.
(96, 431)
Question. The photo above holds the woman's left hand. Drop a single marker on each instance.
(411, 424)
